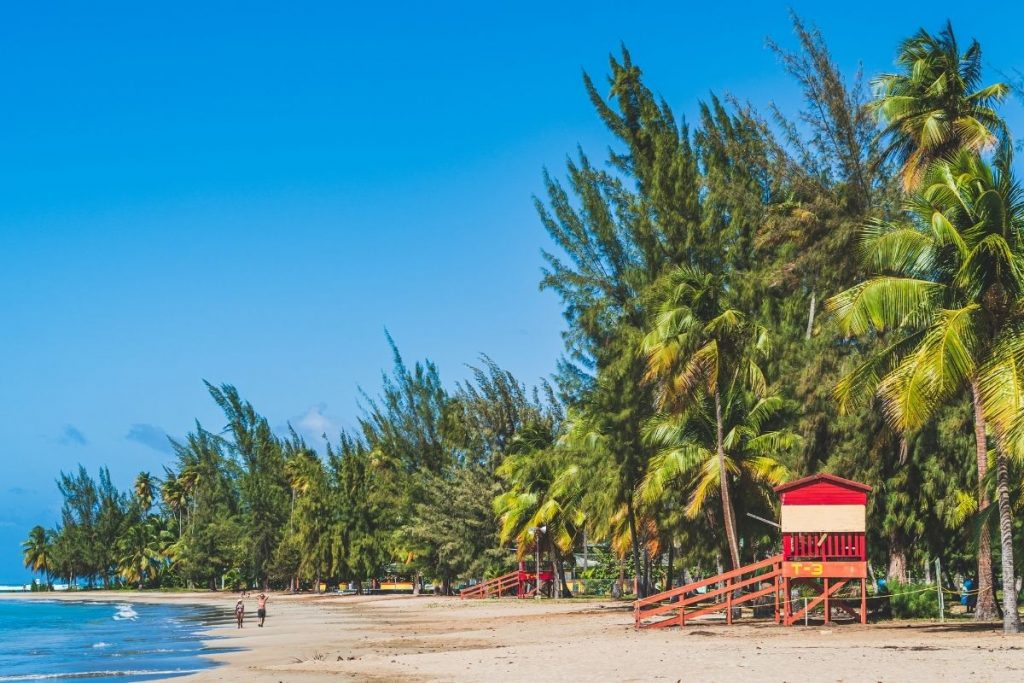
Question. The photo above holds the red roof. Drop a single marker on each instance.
(823, 477)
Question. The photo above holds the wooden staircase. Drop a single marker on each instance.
(493, 588)
(674, 607)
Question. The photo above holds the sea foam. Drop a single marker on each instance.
(125, 611)
(98, 674)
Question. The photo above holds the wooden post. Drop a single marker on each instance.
(826, 603)
(863, 601)
(776, 598)
(728, 601)
(786, 607)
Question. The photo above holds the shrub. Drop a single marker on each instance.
(914, 601)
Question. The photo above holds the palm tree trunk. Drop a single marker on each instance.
(810, 317)
(560, 572)
(1011, 619)
(668, 572)
(727, 510)
(635, 542)
(986, 608)
(648, 561)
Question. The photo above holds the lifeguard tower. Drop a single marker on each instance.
(823, 519)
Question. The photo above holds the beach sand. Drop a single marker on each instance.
(409, 639)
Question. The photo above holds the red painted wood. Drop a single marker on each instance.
(843, 546)
(814, 478)
(824, 493)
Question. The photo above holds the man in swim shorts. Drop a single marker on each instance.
(261, 607)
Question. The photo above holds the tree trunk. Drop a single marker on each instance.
(810, 317)
(635, 542)
(560, 574)
(986, 608)
(648, 561)
(897, 559)
(668, 571)
(723, 475)
(1011, 619)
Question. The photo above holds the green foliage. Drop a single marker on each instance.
(914, 601)
(692, 264)
(454, 534)
(936, 106)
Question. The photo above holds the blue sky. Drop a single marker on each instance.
(253, 193)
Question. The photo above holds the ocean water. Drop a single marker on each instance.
(102, 641)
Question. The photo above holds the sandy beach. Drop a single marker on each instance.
(406, 639)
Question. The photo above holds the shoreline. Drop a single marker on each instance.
(310, 638)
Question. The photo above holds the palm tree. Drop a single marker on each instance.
(702, 347)
(145, 484)
(543, 489)
(37, 550)
(174, 495)
(142, 550)
(688, 451)
(947, 304)
(936, 106)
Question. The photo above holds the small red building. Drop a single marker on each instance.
(823, 519)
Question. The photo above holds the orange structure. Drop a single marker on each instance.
(823, 521)
(523, 583)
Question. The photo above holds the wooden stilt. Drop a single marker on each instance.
(728, 602)
(776, 598)
(786, 606)
(827, 610)
(863, 601)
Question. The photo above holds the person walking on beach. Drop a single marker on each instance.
(261, 607)
(240, 613)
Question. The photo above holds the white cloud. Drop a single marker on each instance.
(314, 423)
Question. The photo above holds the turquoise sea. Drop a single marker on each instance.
(102, 641)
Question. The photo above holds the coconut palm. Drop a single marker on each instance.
(543, 489)
(936, 106)
(703, 348)
(37, 551)
(142, 549)
(145, 485)
(754, 452)
(947, 303)
(174, 495)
